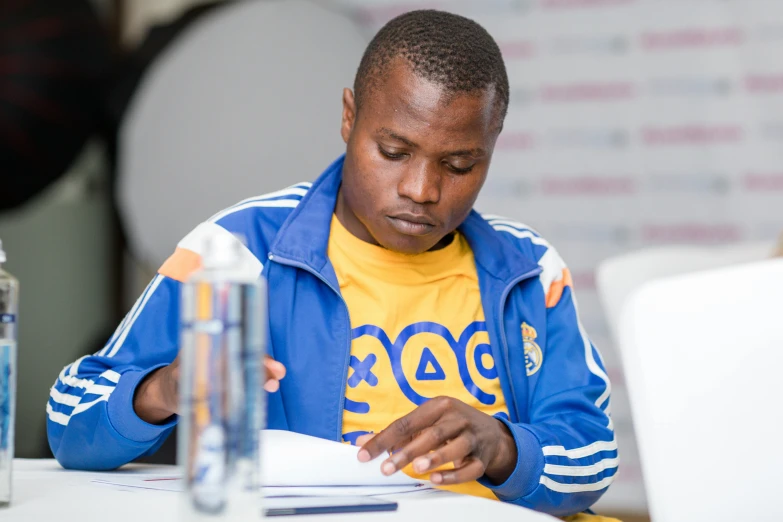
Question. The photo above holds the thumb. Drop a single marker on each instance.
(274, 369)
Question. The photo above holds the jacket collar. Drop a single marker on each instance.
(304, 236)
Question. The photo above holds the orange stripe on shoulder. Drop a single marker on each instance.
(181, 264)
(556, 289)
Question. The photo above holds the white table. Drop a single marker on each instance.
(44, 492)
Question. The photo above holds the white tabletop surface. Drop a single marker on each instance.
(43, 491)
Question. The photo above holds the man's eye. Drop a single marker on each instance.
(458, 170)
(391, 155)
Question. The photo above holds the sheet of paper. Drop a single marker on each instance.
(156, 482)
(292, 459)
(175, 484)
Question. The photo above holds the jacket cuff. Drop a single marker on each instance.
(527, 472)
(123, 417)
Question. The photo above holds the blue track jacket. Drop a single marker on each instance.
(552, 377)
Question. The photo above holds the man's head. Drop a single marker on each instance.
(420, 126)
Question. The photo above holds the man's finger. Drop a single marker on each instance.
(473, 469)
(456, 451)
(272, 385)
(402, 443)
(274, 369)
(400, 430)
(429, 439)
(364, 456)
(364, 439)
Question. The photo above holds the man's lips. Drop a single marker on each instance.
(411, 224)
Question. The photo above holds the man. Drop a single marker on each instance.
(395, 309)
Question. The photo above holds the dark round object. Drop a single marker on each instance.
(55, 59)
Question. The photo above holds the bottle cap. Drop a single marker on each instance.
(222, 251)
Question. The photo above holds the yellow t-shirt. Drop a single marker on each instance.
(418, 332)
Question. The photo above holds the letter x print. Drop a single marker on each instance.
(362, 371)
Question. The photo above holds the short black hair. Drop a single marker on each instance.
(450, 50)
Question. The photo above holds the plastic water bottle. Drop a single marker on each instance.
(9, 302)
(223, 336)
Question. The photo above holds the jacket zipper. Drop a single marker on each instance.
(503, 340)
(296, 264)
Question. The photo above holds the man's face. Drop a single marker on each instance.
(416, 160)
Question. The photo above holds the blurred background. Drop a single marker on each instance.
(124, 123)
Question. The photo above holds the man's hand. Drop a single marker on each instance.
(157, 397)
(440, 431)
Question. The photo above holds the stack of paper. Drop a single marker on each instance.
(295, 464)
(299, 465)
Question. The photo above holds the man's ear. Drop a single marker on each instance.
(349, 114)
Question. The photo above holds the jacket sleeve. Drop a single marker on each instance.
(567, 453)
(91, 423)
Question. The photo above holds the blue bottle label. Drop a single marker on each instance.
(7, 387)
(7, 318)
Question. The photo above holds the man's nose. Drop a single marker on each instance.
(421, 183)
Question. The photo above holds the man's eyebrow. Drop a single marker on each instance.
(391, 134)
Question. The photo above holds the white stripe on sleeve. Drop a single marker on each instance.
(592, 365)
(82, 407)
(582, 471)
(578, 453)
(498, 220)
(99, 389)
(503, 220)
(111, 375)
(56, 416)
(75, 382)
(553, 266)
(275, 203)
(125, 320)
(575, 488)
(295, 190)
(64, 398)
(523, 235)
(74, 369)
(121, 339)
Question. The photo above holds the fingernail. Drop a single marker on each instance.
(272, 385)
(421, 464)
(388, 468)
(437, 478)
(364, 456)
